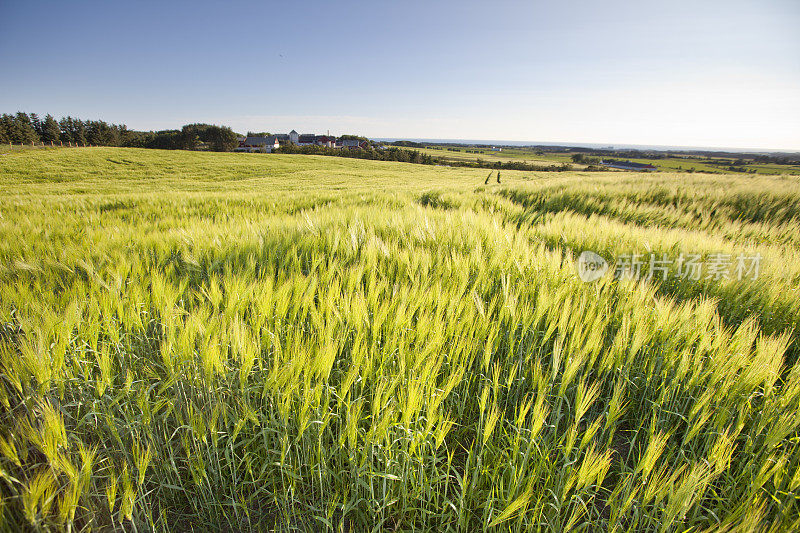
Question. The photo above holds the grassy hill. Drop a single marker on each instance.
(245, 342)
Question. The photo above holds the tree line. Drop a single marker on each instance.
(29, 128)
(370, 152)
(24, 128)
(190, 137)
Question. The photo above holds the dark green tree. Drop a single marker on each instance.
(100, 133)
(23, 130)
(163, 140)
(73, 130)
(188, 139)
(220, 138)
(51, 131)
(125, 135)
(66, 124)
(6, 122)
(37, 124)
(78, 131)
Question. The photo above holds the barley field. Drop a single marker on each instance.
(242, 342)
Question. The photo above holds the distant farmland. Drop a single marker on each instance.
(235, 342)
(666, 161)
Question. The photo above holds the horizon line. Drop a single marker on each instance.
(596, 145)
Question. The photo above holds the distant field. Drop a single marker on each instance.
(703, 165)
(237, 342)
(507, 154)
(534, 156)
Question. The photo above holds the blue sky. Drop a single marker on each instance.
(711, 73)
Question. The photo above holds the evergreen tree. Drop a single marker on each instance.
(22, 130)
(5, 128)
(66, 129)
(78, 131)
(37, 124)
(100, 133)
(124, 134)
(51, 132)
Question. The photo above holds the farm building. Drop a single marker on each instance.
(306, 139)
(272, 142)
(351, 144)
(325, 140)
(259, 144)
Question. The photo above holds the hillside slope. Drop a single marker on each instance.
(246, 341)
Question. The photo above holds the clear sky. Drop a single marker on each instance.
(671, 72)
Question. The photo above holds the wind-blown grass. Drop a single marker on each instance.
(238, 342)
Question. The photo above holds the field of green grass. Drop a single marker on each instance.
(238, 342)
(7, 148)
